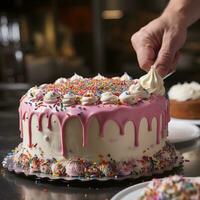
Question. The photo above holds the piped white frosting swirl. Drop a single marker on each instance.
(185, 91)
(116, 78)
(73, 168)
(43, 86)
(109, 98)
(153, 82)
(99, 77)
(35, 93)
(69, 99)
(61, 80)
(76, 77)
(88, 99)
(125, 77)
(51, 97)
(138, 91)
(127, 97)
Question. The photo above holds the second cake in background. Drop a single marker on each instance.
(185, 100)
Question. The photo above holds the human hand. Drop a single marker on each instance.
(158, 43)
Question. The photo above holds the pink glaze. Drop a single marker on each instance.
(49, 120)
(20, 123)
(40, 121)
(156, 106)
(30, 128)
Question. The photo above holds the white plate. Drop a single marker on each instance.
(135, 191)
(132, 192)
(190, 121)
(180, 131)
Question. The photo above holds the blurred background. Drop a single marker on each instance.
(43, 40)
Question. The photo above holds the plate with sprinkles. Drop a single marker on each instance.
(169, 188)
(132, 192)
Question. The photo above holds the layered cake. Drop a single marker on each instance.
(185, 100)
(96, 127)
(172, 188)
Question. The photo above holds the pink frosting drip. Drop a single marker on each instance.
(156, 106)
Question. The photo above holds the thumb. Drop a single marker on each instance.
(166, 56)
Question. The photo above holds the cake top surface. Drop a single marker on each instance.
(68, 92)
(172, 188)
(185, 91)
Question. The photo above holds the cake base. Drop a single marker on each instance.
(189, 109)
(164, 160)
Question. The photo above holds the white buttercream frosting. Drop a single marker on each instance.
(185, 91)
(76, 77)
(99, 77)
(51, 97)
(88, 99)
(109, 98)
(43, 86)
(138, 91)
(61, 80)
(73, 168)
(125, 77)
(116, 78)
(58, 168)
(127, 97)
(35, 93)
(69, 99)
(153, 82)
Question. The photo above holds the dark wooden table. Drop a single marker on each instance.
(18, 187)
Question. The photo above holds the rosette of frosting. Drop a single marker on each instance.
(74, 168)
(185, 91)
(138, 91)
(43, 86)
(69, 99)
(116, 78)
(153, 82)
(109, 98)
(105, 168)
(127, 97)
(99, 77)
(45, 167)
(35, 164)
(125, 77)
(58, 169)
(125, 169)
(76, 77)
(51, 97)
(88, 98)
(35, 93)
(60, 80)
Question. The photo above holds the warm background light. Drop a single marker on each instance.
(112, 14)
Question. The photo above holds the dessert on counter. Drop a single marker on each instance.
(172, 188)
(185, 100)
(96, 127)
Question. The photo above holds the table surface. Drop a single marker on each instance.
(19, 187)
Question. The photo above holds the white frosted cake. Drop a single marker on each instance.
(96, 127)
(185, 100)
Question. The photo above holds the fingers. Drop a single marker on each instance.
(146, 57)
(167, 56)
(144, 50)
(158, 48)
(175, 61)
